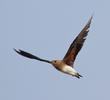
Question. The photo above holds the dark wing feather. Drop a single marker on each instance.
(76, 45)
(28, 55)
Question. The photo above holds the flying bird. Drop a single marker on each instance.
(65, 65)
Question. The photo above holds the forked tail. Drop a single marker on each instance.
(78, 75)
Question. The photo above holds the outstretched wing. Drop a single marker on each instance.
(28, 55)
(76, 45)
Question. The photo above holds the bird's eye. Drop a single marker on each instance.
(55, 61)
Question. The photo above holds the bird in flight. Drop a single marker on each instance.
(65, 65)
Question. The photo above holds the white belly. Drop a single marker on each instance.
(69, 70)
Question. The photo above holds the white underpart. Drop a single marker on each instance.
(69, 70)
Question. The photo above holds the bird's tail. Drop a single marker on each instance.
(78, 75)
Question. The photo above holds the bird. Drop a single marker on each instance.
(66, 65)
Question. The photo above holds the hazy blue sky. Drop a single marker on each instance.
(46, 28)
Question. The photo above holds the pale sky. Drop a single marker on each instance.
(46, 28)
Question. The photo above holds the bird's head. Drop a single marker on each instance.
(56, 63)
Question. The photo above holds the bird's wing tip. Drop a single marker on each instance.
(15, 50)
(18, 51)
(90, 19)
